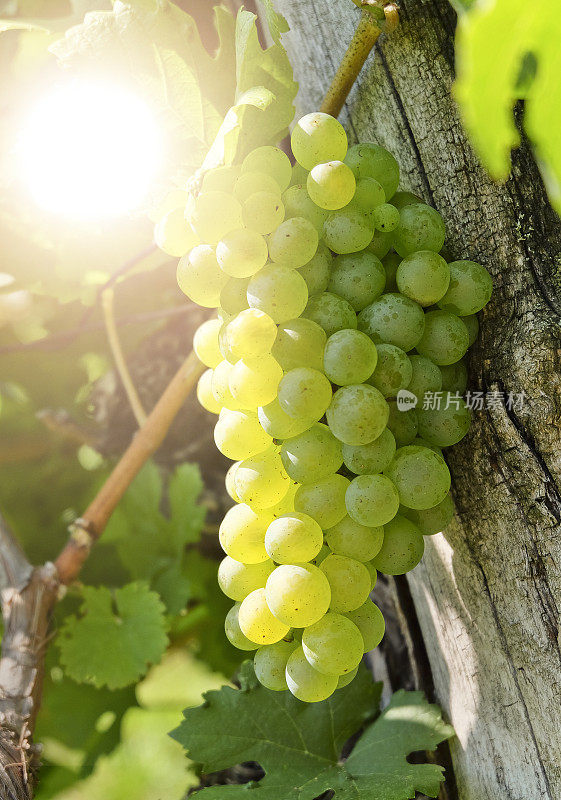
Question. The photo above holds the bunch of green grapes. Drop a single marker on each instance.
(331, 298)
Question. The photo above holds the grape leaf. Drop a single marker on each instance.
(276, 23)
(116, 638)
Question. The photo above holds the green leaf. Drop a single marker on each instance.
(187, 518)
(276, 23)
(116, 638)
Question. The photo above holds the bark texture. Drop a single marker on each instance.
(487, 592)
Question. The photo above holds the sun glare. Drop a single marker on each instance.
(90, 150)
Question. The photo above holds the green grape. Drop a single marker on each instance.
(403, 424)
(402, 549)
(278, 291)
(420, 228)
(250, 334)
(393, 370)
(242, 534)
(402, 199)
(331, 185)
(237, 580)
(200, 277)
(349, 581)
(426, 376)
(369, 620)
(298, 203)
(249, 183)
(205, 343)
(241, 253)
(420, 476)
(358, 414)
(472, 324)
(324, 500)
(431, 520)
(305, 682)
(299, 174)
(393, 319)
(313, 455)
(445, 426)
(445, 338)
(257, 622)
(233, 297)
(349, 538)
(224, 344)
(331, 312)
(174, 235)
(278, 424)
(298, 594)
(373, 574)
(423, 276)
(272, 161)
(304, 393)
(357, 277)
(381, 243)
(220, 386)
(333, 645)
(470, 288)
(385, 218)
(234, 632)
(214, 214)
(369, 160)
(292, 538)
(316, 138)
(391, 262)
(230, 479)
(423, 443)
(347, 231)
(347, 678)
(371, 458)
(205, 395)
(263, 212)
(239, 435)
(454, 376)
(369, 194)
(293, 243)
(286, 505)
(349, 357)
(220, 179)
(270, 664)
(254, 382)
(261, 480)
(299, 343)
(316, 271)
(372, 500)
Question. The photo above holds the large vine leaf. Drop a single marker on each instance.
(276, 23)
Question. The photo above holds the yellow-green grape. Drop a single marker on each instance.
(270, 664)
(234, 632)
(358, 414)
(257, 622)
(278, 424)
(349, 357)
(357, 277)
(402, 199)
(292, 538)
(369, 160)
(286, 505)
(371, 458)
(237, 580)
(249, 183)
(298, 594)
(393, 319)
(174, 235)
(380, 245)
(385, 217)
(349, 538)
(347, 231)
(214, 214)
(205, 395)
(402, 549)
(298, 203)
(445, 338)
(254, 381)
(431, 520)
(446, 425)
(261, 481)
(318, 137)
(299, 343)
(305, 682)
(403, 424)
(304, 393)
(454, 376)
(423, 276)
(349, 581)
(229, 481)
(313, 455)
(426, 376)
(280, 292)
(205, 343)
(391, 262)
(333, 645)
(200, 277)
(470, 288)
(177, 198)
(242, 534)
(221, 386)
(330, 312)
(241, 253)
(239, 435)
(221, 179)
(263, 212)
(472, 324)
(323, 500)
(331, 185)
(372, 500)
(373, 574)
(393, 370)
(316, 271)
(369, 194)
(299, 174)
(233, 297)
(420, 476)
(369, 620)
(251, 333)
(272, 161)
(420, 228)
(293, 243)
(347, 678)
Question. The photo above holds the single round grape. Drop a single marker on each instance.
(174, 235)
(446, 425)
(420, 476)
(304, 393)
(254, 381)
(200, 277)
(299, 343)
(347, 678)
(349, 538)
(298, 594)
(263, 212)
(385, 217)
(313, 455)
(272, 161)
(229, 481)
(403, 424)
(221, 179)
(393, 319)
(318, 137)
(349, 581)
(402, 199)
(293, 243)
(402, 549)
(241, 253)
(347, 231)
(472, 324)
(242, 534)
(369, 194)
(305, 682)
(257, 622)
(298, 203)
(391, 262)
(220, 386)
(393, 370)
(331, 312)
(381, 243)
(431, 520)
(233, 631)
(445, 338)
(426, 376)
(372, 500)
(373, 574)
(205, 343)
(423, 276)
(293, 538)
(233, 297)
(269, 664)
(349, 357)
(214, 214)
(420, 228)
(359, 278)
(454, 376)
(423, 443)
(331, 185)
(249, 183)
(224, 345)
(358, 414)
(278, 424)
(370, 621)
(316, 271)
(205, 395)
(324, 500)
(239, 435)
(280, 292)
(369, 160)
(371, 458)
(333, 645)
(261, 480)
(251, 333)
(237, 580)
(470, 288)
(299, 174)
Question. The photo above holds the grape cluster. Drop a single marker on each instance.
(332, 298)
